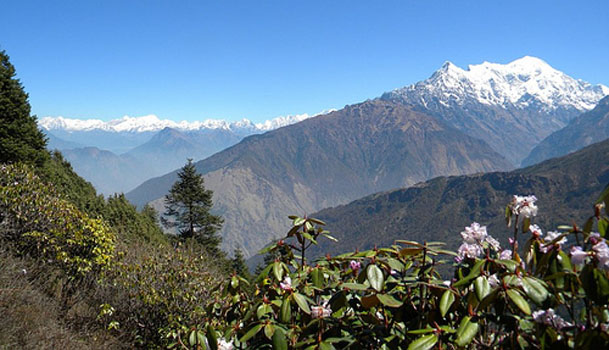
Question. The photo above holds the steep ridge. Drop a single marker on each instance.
(582, 131)
(510, 106)
(437, 210)
(323, 161)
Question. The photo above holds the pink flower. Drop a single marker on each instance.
(601, 251)
(224, 345)
(505, 254)
(286, 284)
(535, 230)
(578, 255)
(355, 265)
(550, 318)
(471, 251)
(551, 236)
(321, 311)
(524, 205)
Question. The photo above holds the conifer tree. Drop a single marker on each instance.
(188, 204)
(20, 138)
(239, 266)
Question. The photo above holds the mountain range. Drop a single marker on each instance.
(323, 161)
(118, 155)
(510, 106)
(437, 210)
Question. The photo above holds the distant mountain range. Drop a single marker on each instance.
(586, 129)
(437, 210)
(118, 155)
(510, 106)
(324, 161)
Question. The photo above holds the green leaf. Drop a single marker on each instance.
(535, 290)
(279, 340)
(302, 302)
(389, 300)
(298, 221)
(326, 346)
(466, 331)
(526, 223)
(212, 338)
(318, 277)
(369, 301)
(263, 309)
(269, 330)
(519, 301)
(251, 333)
(192, 338)
(482, 287)
(448, 298)
(474, 272)
(375, 277)
(286, 311)
(354, 286)
(603, 223)
(425, 342)
(278, 271)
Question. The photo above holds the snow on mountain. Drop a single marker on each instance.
(525, 82)
(154, 123)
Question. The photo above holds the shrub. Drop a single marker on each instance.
(552, 292)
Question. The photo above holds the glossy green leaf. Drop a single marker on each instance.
(467, 331)
(448, 298)
(317, 275)
(269, 330)
(279, 341)
(375, 277)
(251, 333)
(286, 311)
(535, 290)
(389, 300)
(482, 287)
(519, 301)
(475, 272)
(425, 342)
(302, 302)
(354, 286)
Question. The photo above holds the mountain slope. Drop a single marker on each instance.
(323, 161)
(170, 148)
(512, 107)
(582, 131)
(437, 210)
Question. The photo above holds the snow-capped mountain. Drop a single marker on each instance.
(511, 106)
(153, 123)
(517, 84)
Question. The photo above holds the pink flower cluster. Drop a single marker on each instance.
(524, 206)
(475, 239)
(321, 311)
(550, 318)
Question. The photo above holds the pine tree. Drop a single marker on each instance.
(239, 266)
(189, 203)
(20, 138)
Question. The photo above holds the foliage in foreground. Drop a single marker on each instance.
(553, 292)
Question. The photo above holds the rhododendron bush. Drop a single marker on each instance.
(553, 292)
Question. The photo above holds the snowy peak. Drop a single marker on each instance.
(154, 123)
(528, 82)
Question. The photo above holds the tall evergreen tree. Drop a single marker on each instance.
(20, 138)
(239, 266)
(189, 203)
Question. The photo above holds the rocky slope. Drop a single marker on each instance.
(323, 161)
(437, 210)
(586, 129)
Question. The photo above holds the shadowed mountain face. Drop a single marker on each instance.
(437, 210)
(586, 129)
(323, 161)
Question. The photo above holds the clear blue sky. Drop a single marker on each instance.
(192, 60)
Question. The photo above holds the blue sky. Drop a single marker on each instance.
(193, 60)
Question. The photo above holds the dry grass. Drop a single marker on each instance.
(32, 319)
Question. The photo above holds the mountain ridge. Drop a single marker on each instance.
(329, 159)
